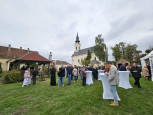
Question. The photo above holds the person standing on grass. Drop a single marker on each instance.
(69, 74)
(34, 75)
(145, 72)
(122, 67)
(113, 78)
(27, 78)
(53, 76)
(136, 73)
(148, 66)
(83, 74)
(80, 72)
(75, 73)
(61, 75)
(95, 73)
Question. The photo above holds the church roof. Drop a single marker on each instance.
(94, 62)
(83, 51)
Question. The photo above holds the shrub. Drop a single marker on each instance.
(44, 71)
(0, 69)
(11, 76)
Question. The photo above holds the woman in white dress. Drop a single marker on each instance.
(27, 78)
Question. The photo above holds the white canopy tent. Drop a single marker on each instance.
(150, 58)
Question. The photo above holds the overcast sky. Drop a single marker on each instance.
(51, 25)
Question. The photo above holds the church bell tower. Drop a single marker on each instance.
(77, 43)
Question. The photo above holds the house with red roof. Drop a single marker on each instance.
(17, 56)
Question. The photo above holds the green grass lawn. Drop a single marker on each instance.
(42, 99)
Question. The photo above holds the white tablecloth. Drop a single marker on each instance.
(99, 72)
(106, 87)
(89, 78)
(124, 79)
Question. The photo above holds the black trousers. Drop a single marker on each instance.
(149, 77)
(84, 81)
(34, 80)
(137, 81)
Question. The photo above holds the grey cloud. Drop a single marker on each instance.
(52, 25)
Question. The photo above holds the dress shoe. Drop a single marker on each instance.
(113, 104)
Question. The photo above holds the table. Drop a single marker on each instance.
(100, 71)
(124, 79)
(106, 87)
(89, 78)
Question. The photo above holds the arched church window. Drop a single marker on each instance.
(78, 60)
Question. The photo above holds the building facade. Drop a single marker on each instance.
(10, 57)
(59, 63)
(80, 54)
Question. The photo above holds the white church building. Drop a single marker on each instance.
(80, 54)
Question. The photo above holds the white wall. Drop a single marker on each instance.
(81, 57)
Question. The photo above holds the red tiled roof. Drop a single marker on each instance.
(13, 53)
(58, 62)
(33, 56)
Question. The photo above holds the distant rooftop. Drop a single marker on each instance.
(59, 62)
(9, 52)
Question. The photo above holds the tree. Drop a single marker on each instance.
(137, 58)
(126, 51)
(117, 53)
(100, 49)
(86, 60)
(122, 48)
(132, 52)
(147, 51)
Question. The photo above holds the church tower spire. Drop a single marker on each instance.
(77, 38)
(77, 43)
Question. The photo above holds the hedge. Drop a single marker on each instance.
(12, 76)
(0, 69)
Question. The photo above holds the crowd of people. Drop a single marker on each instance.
(72, 73)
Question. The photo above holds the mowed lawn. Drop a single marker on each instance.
(42, 99)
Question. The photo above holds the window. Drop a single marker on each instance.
(95, 58)
(78, 60)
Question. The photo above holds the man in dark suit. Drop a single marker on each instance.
(123, 67)
(69, 74)
(148, 66)
(34, 75)
(136, 73)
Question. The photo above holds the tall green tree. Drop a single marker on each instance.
(122, 49)
(147, 51)
(86, 60)
(126, 51)
(100, 49)
(132, 52)
(117, 53)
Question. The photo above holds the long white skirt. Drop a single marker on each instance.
(27, 81)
